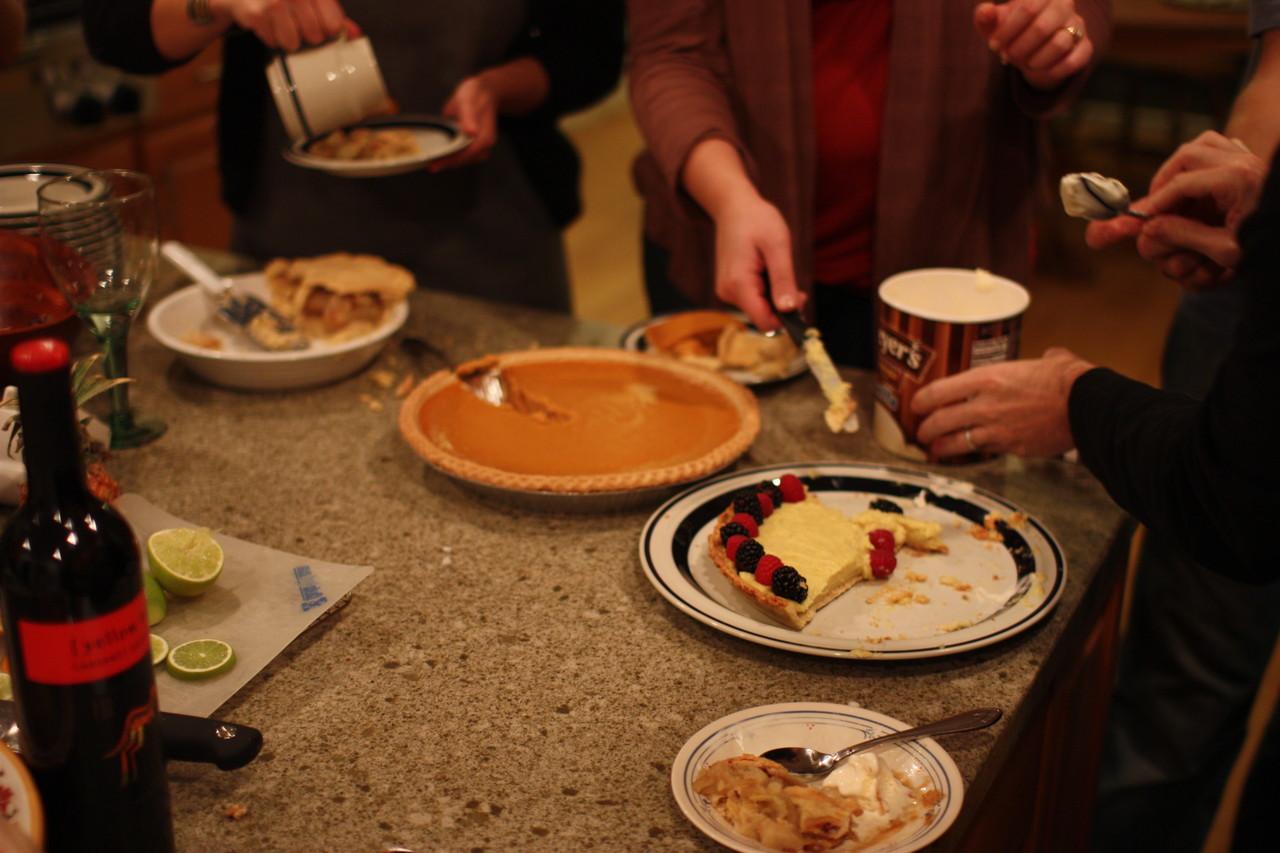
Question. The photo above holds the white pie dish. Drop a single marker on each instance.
(236, 364)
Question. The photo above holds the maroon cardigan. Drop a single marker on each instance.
(959, 166)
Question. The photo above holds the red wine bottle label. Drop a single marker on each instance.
(80, 652)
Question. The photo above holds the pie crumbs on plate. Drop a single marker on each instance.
(366, 143)
(858, 804)
(339, 296)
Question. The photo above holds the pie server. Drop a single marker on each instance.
(252, 317)
(841, 414)
(183, 737)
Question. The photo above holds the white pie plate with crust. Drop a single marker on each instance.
(237, 364)
(829, 727)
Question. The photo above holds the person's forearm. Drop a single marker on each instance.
(715, 177)
(1254, 118)
(519, 86)
(176, 36)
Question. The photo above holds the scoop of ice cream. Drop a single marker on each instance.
(1089, 195)
(866, 778)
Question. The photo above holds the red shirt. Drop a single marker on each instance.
(850, 66)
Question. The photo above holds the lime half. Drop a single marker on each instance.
(157, 604)
(200, 659)
(184, 561)
(159, 649)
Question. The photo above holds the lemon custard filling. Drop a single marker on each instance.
(791, 554)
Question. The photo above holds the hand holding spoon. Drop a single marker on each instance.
(803, 761)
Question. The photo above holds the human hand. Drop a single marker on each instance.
(1198, 199)
(753, 242)
(474, 105)
(287, 24)
(1044, 39)
(1014, 407)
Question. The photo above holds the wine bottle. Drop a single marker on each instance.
(78, 640)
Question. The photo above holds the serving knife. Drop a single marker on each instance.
(842, 410)
(227, 746)
(261, 324)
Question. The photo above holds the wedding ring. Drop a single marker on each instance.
(968, 439)
(1076, 32)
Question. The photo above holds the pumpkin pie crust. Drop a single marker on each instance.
(584, 420)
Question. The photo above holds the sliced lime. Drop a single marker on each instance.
(159, 649)
(157, 604)
(184, 561)
(200, 659)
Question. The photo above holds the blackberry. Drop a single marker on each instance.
(788, 583)
(749, 553)
(733, 528)
(773, 491)
(750, 504)
(886, 505)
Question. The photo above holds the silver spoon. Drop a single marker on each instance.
(488, 383)
(803, 761)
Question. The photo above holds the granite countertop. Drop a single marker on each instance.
(508, 679)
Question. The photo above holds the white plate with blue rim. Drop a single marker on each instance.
(921, 764)
(436, 137)
(985, 589)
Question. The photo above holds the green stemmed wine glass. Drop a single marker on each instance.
(100, 239)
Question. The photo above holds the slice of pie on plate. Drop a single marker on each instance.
(790, 554)
(339, 296)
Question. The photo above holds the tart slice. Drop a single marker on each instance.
(791, 555)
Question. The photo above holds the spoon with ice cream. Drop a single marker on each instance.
(803, 761)
(1089, 195)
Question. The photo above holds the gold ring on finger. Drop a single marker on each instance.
(1076, 32)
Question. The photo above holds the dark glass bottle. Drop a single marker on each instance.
(78, 640)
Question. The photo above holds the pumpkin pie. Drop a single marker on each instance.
(580, 419)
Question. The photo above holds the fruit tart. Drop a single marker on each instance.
(791, 555)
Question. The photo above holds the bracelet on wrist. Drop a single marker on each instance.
(199, 13)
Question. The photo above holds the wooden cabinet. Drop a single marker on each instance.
(173, 139)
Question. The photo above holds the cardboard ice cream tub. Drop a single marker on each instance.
(934, 323)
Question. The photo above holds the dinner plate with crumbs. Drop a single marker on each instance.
(381, 146)
(921, 765)
(698, 344)
(1003, 571)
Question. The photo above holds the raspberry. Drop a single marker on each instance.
(766, 503)
(771, 489)
(882, 538)
(792, 489)
(787, 583)
(733, 528)
(747, 555)
(746, 521)
(732, 544)
(883, 562)
(750, 504)
(765, 568)
(886, 505)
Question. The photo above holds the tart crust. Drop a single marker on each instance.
(622, 421)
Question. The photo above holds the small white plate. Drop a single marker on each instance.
(22, 803)
(826, 726)
(236, 364)
(436, 136)
(634, 340)
(1011, 585)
